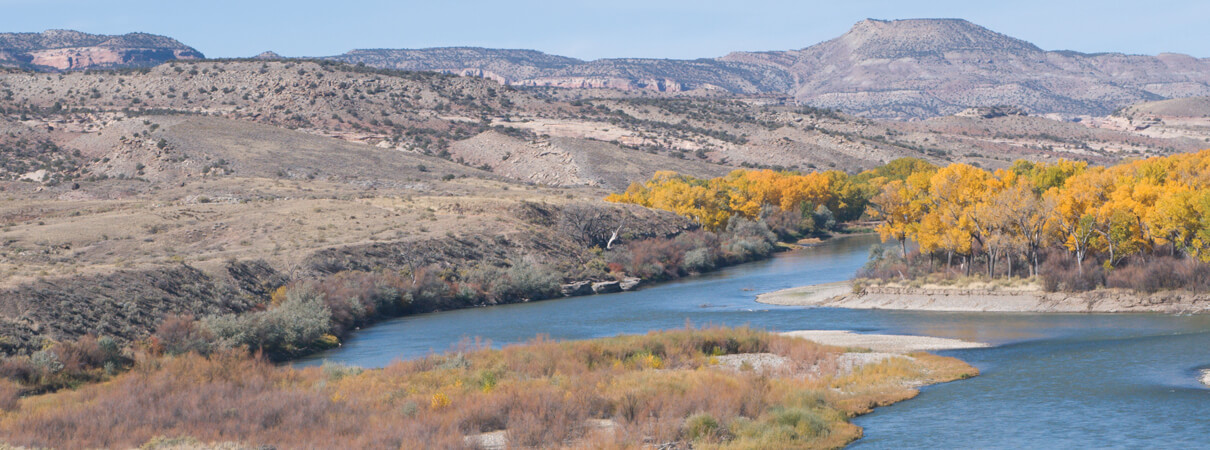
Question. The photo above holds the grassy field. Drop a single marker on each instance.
(702, 387)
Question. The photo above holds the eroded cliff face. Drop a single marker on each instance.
(625, 84)
(90, 57)
(578, 82)
(73, 50)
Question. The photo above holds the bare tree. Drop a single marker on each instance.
(590, 226)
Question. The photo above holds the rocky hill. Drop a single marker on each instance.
(73, 50)
(903, 69)
(922, 68)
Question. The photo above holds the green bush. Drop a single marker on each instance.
(701, 426)
(527, 281)
(523, 281)
(699, 260)
(286, 329)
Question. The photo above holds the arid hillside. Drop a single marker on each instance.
(225, 211)
(1182, 118)
(557, 137)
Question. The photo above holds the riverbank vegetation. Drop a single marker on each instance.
(1142, 225)
(308, 315)
(655, 389)
(799, 203)
(792, 204)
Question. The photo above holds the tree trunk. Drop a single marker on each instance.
(1035, 263)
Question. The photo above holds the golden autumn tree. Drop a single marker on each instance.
(745, 193)
(1001, 217)
(1025, 215)
(1077, 208)
(901, 205)
(1201, 239)
(1174, 219)
(955, 192)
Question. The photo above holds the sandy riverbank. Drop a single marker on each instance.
(888, 343)
(864, 349)
(1021, 299)
(806, 295)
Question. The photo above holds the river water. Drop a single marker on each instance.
(1053, 380)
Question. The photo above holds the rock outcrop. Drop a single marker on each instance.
(606, 287)
(992, 112)
(577, 289)
(73, 50)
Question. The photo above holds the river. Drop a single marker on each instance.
(1052, 380)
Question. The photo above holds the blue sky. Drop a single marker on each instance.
(611, 28)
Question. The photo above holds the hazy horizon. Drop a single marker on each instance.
(625, 28)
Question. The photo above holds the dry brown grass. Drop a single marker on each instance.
(656, 388)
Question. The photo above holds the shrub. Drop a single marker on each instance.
(824, 220)
(10, 394)
(788, 225)
(284, 330)
(701, 426)
(699, 260)
(1160, 273)
(179, 334)
(526, 281)
(21, 369)
(800, 422)
(651, 259)
(88, 352)
(355, 297)
(884, 264)
(1061, 273)
(693, 251)
(747, 240)
(47, 361)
